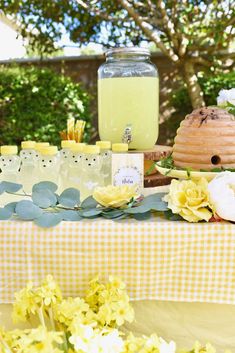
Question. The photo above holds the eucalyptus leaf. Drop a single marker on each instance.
(153, 198)
(44, 198)
(142, 216)
(91, 212)
(2, 188)
(172, 216)
(11, 206)
(26, 210)
(69, 215)
(70, 197)
(47, 220)
(11, 187)
(5, 214)
(48, 185)
(123, 216)
(138, 209)
(159, 206)
(112, 214)
(89, 202)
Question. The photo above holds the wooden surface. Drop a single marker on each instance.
(156, 179)
(158, 152)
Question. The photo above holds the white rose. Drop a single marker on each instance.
(167, 347)
(226, 95)
(222, 195)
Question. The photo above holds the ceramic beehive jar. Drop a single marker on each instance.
(205, 140)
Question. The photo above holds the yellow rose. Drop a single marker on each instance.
(189, 199)
(114, 196)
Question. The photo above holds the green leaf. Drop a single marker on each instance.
(48, 185)
(151, 169)
(154, 198)
(90, 213)
(10, 187)
(159, 206)
(89, 202)
(11, 206)
(26, 210)
(5, 214)
(155, 202)
(112, 214)
(47, 220)
(142, 216)
(44, 198)
(69, 215)
(123, 216)
(138, 209)
(172, 216)
(2, 188)
(70, 197)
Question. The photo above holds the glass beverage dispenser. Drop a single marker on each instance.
(128, 98)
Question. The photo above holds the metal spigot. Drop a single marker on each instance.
(127, 135)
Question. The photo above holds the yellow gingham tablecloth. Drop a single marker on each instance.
(158, 259)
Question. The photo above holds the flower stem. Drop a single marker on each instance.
(5, 345)
(18, 194)
(52, 321)
(41, 317)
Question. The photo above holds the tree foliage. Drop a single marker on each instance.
(35, 104)
(194, 34)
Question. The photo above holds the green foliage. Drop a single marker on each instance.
(48, 209)
(211, 85)
(35, 104)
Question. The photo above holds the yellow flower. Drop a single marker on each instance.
(25, 304)
(198, 348)
(49, 292)
(114, 196)
(66, 310)
(190, 199)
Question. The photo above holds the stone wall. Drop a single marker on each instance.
(84, 69)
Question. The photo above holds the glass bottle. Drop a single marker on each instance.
(65, 149)
(91, 170)
(74, 175)
(28, 166)
(39, 146)
(49, 164)
(128, 98)
(106, 160)
(9, 165)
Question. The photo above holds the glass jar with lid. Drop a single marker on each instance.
(128, 98)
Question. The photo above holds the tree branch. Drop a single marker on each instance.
(96, 11)
(168, 24)
(148, 31)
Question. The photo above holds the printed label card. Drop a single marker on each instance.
(128, 169)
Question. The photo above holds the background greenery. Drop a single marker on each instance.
(194, 35)
(35, 104)
(211, 85)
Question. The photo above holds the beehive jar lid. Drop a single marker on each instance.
(9, 150)
(49, 150)
(28, 145)
(40, 145)
(78, 147)
(104, 145)
(120, 147)
(67, 143)
(91, 149)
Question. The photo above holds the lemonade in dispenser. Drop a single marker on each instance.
(128, 98)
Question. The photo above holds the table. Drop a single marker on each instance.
(171, 262)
